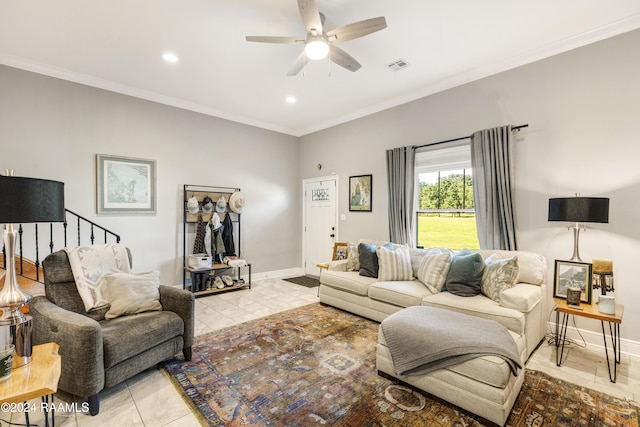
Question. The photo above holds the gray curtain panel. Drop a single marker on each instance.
(401, 183)
(493, 188)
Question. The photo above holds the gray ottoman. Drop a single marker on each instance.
(484, 386)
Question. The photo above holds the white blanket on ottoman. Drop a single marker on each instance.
(426, 339)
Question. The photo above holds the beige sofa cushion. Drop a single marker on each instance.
(479, 306)
(348, 281)
(522, 297)
(403, 293)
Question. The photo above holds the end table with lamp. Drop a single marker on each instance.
(591, 312)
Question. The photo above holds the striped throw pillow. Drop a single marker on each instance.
(394, 264)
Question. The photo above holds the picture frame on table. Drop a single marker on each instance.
(125, 185)
(570, 274)
(360, 191)
(339, 251)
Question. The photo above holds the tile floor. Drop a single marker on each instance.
(150, 399)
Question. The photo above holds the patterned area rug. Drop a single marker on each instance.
(315, 365)
(306, 281)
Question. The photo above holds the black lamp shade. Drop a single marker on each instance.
(24, 200)
(579, 209)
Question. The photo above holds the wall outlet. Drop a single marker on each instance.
(343, 217)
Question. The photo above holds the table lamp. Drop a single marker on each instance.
(579, 210)
(22, 200)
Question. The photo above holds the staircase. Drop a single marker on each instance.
(75, 230)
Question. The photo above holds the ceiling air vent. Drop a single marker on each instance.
(398, 65)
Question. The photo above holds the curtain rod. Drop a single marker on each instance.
(461, 138)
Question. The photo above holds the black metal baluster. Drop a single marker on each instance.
(92, 235)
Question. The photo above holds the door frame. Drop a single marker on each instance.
(304, 212)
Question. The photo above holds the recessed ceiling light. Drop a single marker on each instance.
(169, 57)
(290, 100)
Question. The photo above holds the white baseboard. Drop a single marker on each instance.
(276, 274)
(594, 339)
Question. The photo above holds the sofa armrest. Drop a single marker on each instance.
(80, 341)
(338, 265)
(181, 302)
(522, 297)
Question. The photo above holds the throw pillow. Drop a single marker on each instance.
(433, 270)
(394, 264)
(368, 259)
(465, 274)
(499, 274)
(130, 293)
(353, 262)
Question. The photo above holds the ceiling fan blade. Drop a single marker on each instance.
(299, 65)
(310, 16)
(343, 59)
(274, 39)
(357, 29)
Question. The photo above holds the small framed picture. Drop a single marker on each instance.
(572, 274)
(125, 185)
(339, 251)
(360, 193)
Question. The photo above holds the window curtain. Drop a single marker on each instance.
(401, 183)
(493, 188)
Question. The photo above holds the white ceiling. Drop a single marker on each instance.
(117, 45)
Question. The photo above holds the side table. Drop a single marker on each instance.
(36, 379)
(591, 312)
(321, 266)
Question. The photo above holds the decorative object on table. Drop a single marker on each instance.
(360, 192)
(6, 362)
(572, 274)
(579, 210)
(573, 295)
(24, 200)
(125, 185)
(607, 304)
(339, 251)
(603, 275)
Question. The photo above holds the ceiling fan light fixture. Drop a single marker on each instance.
(316, 49)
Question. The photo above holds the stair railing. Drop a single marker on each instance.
(29, 239)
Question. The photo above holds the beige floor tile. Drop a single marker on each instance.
(117, 408)
(156, 398)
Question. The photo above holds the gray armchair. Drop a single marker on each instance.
(98, 353)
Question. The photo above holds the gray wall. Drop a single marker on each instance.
(582, 108)
(52, 129)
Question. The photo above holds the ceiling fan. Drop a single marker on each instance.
(318, 43)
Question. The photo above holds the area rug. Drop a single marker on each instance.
(306, 281)
(315, 366)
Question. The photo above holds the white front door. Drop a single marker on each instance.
(319, 222)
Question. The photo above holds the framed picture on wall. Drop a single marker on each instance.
(572, 274)
(125, 185)
(360, 190)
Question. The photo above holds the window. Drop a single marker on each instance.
(445, 214)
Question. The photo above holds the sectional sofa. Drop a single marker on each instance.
(520, 307)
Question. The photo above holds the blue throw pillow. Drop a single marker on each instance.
(465, 274)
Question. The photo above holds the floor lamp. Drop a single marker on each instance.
(579, 210)
(23, 200)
